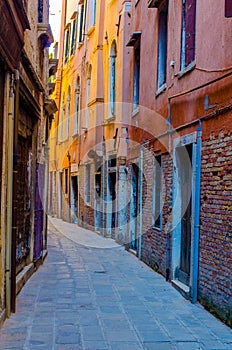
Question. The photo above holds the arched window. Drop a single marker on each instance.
(112, 80)
(68, 112)
(62, 120)
(77, 106)
(88, 83)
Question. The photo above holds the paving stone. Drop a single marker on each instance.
(120, 345)
(95, 345)
(159, 346)
(105, 299)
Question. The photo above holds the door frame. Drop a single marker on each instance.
(177, 214)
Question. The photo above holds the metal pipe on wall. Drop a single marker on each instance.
(9, 196)
(14, 214)
(140, 202)
(197, 216)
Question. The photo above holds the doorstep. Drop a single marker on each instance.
(182, 288)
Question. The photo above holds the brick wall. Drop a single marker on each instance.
(154, 241)
(215, 285)
(86, 210)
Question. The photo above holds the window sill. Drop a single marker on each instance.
(186, 70)
(75, 134)
(135, 112)
(161, 89)
(110, 119)
(63, 141)
(91, 30)
(80, 44)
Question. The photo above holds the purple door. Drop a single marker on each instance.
(39, 211)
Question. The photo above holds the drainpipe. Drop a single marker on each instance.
(140, 202)
(169, 227)
(15, 201)
(9, 197)
(197, 216)
(103, 185)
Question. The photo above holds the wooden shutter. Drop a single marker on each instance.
(190, 25)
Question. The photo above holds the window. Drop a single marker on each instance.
(136, 75)
(62, 121)
(112, 82)
(88, 97)
(162, 45)
(74, 33)
(68, 113)
(87, 183)
(67, 43)
(157, 193)
(40, 11)
(80, 39)
(77, 105)
(93, 13)
(188, 33)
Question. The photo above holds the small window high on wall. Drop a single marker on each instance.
(162, 45)
(188, 33)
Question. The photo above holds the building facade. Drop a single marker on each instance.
(26, 111)
(144, 136)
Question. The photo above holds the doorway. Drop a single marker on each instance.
(134, 207)
(98, 199)
(185, 179)
(183, 214)
(74, 199)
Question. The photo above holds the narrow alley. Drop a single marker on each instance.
(102, 297)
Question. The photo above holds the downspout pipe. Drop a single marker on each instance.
(15, 201)
(197, 216)
(168, 242)
(140, 203)
(9, 198)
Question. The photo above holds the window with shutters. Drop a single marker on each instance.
(81, 23)
(74, 33)
(188, 33)
(162, 45)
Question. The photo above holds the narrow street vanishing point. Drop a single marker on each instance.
(100, 296)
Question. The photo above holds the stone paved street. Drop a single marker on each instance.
(98, 296)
